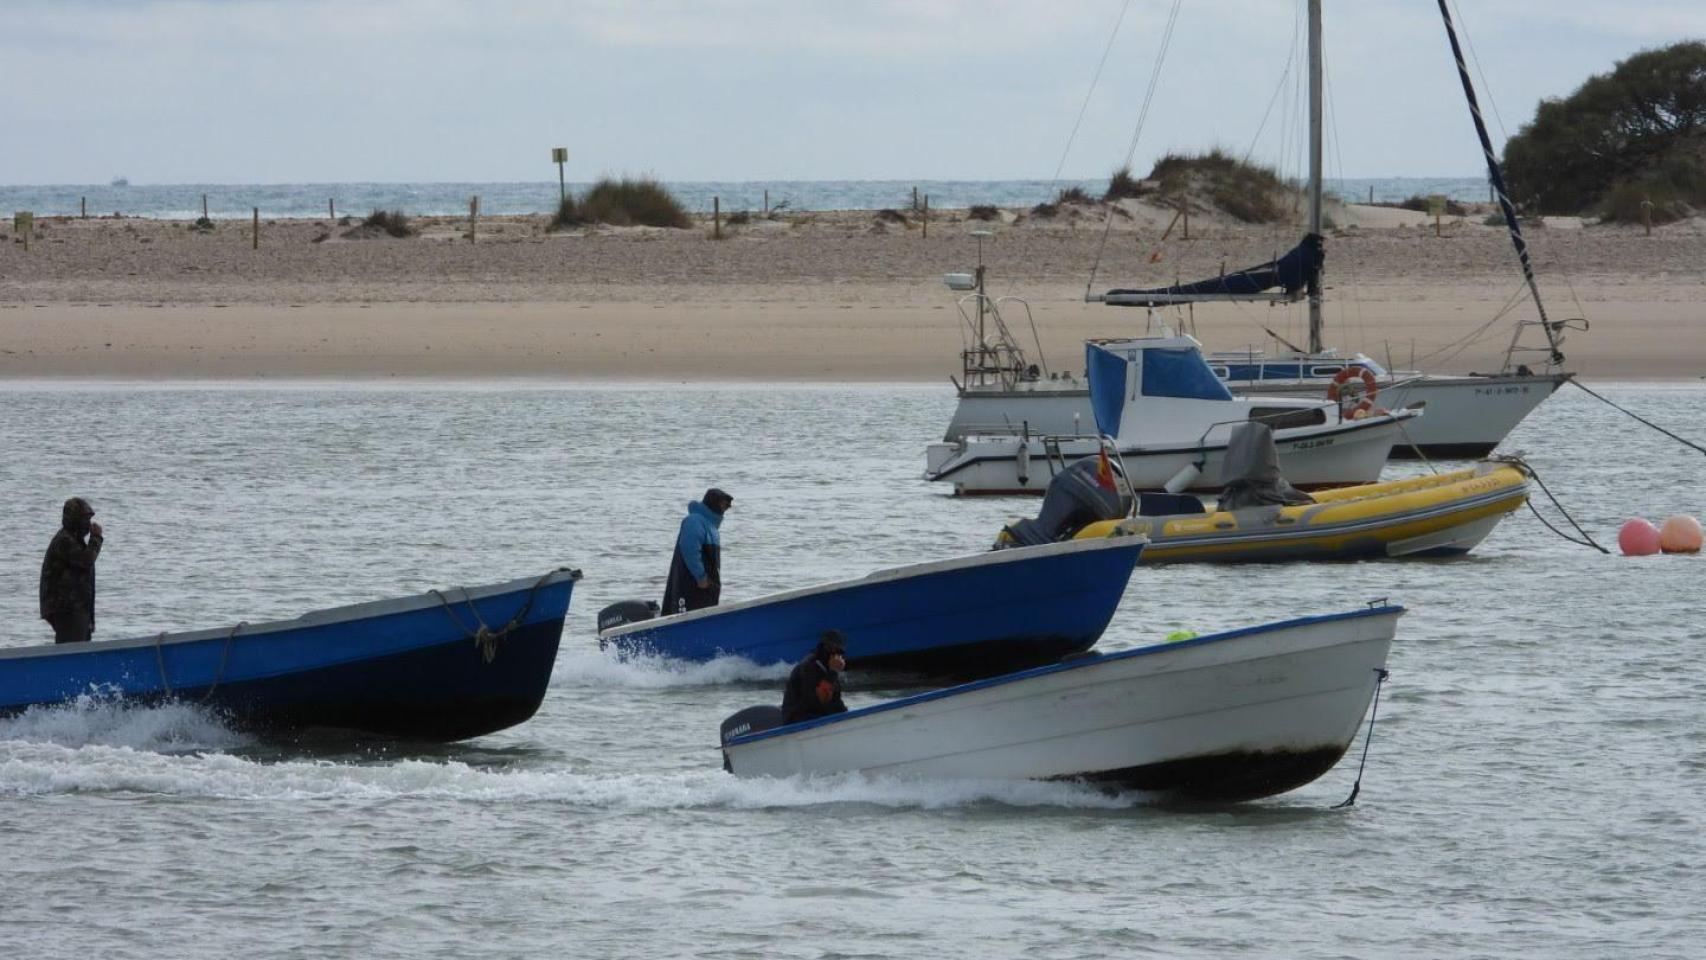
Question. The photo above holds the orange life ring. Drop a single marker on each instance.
(1370, 387)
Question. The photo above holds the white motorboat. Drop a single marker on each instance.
(1170, 421)
(1232, 716)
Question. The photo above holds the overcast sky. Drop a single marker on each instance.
(271, 91)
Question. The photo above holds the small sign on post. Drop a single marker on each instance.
(560, 156)
(24, 224)
(1436, 206)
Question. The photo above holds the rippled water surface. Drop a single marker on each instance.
(1535, 787)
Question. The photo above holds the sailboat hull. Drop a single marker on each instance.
(1467, 417)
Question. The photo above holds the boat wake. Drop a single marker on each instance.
(95, 720)
(606, 668)
(41, 766)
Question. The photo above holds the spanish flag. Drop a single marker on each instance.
(1104, 471)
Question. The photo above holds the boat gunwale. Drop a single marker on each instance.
(885, 575)
(349, 613)
(1092, 660)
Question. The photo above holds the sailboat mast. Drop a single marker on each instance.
(1315, 82)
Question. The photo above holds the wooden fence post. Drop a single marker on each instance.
(331, 209)
(256, 240)
(204, 206)
(926, 216)
(717, 218)
(473, 217)
(766, 203)
(84, 203)
(1647, 216)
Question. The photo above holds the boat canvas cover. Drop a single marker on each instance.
(1106, 371)
(1290, 273)
(1252, 470)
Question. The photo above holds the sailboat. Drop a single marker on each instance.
(1467, 415)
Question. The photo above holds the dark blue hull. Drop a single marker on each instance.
(973, 617)
(419, 668)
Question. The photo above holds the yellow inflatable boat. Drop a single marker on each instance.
(1438, 515)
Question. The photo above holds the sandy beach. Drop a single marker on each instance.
(804, 296)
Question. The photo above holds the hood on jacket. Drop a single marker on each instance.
(698, 509)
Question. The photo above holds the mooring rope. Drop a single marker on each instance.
(1687, 443)
(485, 638)
(1587, 539)
(218, 675)
(1380, 675)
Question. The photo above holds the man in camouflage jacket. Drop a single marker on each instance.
(68, 574)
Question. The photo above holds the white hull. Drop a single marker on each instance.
(1466, 416)
(1336, 455)
(1233, 716)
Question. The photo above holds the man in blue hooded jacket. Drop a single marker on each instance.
(696, 570)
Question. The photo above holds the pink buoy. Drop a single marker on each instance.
(1680, 534)
(1638, 538)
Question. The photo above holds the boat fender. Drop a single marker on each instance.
(1370, 389)
(749, 721)
(1183, 479)
(626, 612)
(1024, 461)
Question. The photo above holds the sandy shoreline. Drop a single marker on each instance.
(818, 297)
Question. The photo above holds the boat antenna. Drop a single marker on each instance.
(1315, 84)
(1496, 177)
(981, 298)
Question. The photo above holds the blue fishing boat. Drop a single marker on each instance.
(444, 665)
(970, 616)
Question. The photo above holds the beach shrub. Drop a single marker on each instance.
(391, 223)
(1072, 195)
(202, 225)
(1045, 210)
(568, 215)
(1122, 185)
(889, 215)
(738, 218)
(983, 211)
(1676, 188)
(633, 202)
(1419, 203)
(1247, 192)
(1642, 123)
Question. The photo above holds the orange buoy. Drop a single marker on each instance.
(1638, 538)
(1680, 534)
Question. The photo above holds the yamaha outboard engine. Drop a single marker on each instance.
(1074, 500)
(748, 721)
(626, 612)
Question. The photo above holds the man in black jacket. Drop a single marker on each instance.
(814, 686)
(68, 574)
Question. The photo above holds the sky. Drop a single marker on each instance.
(309, 91)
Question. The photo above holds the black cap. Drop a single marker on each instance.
(832, 641)
(717, 499)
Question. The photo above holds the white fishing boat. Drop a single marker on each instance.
(1233, 716)
(1468, 415)
(1170, 421)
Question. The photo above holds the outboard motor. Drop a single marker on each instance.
(748, 721)
(626, 612)
(1074, 500)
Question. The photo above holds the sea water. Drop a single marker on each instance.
(1533, 785)
(183, 201)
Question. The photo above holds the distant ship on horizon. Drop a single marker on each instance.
(121, 181)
